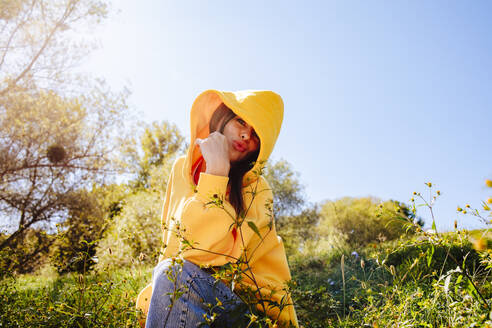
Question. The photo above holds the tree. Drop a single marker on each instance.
(39, 42)
(89, 215)
(158, 143)
(288, 192)
(58, 131)
(295, 219)
(50, 148)
(136, 231)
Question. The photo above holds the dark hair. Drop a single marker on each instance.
(218, 121)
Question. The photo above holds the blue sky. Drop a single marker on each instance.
(380, 96)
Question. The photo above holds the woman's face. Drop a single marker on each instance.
(241, 137)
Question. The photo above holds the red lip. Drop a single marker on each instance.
(239, 146)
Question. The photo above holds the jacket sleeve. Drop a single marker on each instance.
(209, 224)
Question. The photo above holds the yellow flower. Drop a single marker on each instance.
(459, 209)
(488, 183)
(480, 244)
(438, 192)
(429, 184)
(489, 200)
(467, 205)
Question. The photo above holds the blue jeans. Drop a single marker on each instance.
(198, 295)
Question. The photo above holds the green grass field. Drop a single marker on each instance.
(424, 281)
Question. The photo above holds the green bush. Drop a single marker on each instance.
(425, 259)
(361, 221)
(136, 231)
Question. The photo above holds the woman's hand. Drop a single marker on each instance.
(215, 151)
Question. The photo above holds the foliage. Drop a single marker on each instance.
(39, 44)
(26, 256)
(89, 214)
(299, 231)
(157, 145)
(294, 218)
(135, 232)
(361, 221)
(141, 208)
(34, 131)
(288, 192)
(408, 282)
(58, 131)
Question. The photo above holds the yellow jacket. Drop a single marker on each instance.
(209, 227)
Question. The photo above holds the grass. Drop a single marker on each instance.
(394, 284)
(98, 299)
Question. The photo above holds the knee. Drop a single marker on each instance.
(171, 271)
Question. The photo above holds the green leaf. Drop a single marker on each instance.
(434, 225)
(253, 227)
(430, 253)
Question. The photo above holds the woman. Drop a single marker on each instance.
(211, 192)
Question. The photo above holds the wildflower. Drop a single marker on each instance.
(253, 318)
(414, 193)
(480, 244)
(467, 205)
(459, 209)
(489, 200)
(488, 183)
(354, 253)
(429, 184)
(486, 207)
(455, 224)
(412, 200)
(464, 212)
(438, 193)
